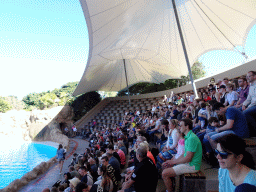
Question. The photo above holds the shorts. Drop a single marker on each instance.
(184, 168)
(61, 159)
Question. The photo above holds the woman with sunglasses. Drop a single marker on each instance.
(236, 164)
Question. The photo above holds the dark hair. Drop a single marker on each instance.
(80, 186)
(188, 122)
(110, 147)
(61, 188)
(243, 78)
(212, 102)
(83, 168)
(189, 115)
(88, 166)
(217, 106)
(203, 105)
(68, 175)
(183, 105)
(253, 72)
(105, 158)
(54, 189)
(102, 149)
(235, 144)
(60, 146)
(222, 118)
(213, 119)
(165, 122)
(72, 168)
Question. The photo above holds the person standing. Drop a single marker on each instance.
(60, 157)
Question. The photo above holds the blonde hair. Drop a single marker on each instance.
(174, 122)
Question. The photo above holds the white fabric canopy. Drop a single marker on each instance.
(145, 34)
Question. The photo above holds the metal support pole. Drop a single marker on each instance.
(127, 82)
(184, 48)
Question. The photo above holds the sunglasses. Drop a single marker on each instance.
(223, 155)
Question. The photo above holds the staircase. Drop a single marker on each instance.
(111, 111)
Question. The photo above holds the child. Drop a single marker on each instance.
(167, 155)
(202, 115)
(213, 124)
(180, 149)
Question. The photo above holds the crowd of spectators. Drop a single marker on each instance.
(170, 139)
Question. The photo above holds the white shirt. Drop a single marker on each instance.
(233, 96)
(191, 98)
(175, 138)
(251, 99)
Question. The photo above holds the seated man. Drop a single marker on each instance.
(86, 178)
(232, 96)
(144, 177)
(83, 187)
(110, 171)
(190, 162)
(250, 103)
(243, 93)
(115, 164)
(236, 122)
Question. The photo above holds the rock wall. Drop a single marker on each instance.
(39, 125)
(52, 130)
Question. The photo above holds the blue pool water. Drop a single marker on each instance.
(18, 159)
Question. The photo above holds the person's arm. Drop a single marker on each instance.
(232, 103)
(234, 98)
(247, 101)
(157, 128)
(217, 96)
(175, 138)
(229, 125)
(182, 159)
(128, 184)
(238, 103)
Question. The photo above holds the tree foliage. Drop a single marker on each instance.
(83, 103)
(4, 105)
(57, 97)
(145, 87)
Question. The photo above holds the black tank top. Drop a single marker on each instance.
(222, 100)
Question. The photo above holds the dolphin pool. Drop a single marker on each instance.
(18, 159)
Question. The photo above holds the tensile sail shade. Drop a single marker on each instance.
(144, 33)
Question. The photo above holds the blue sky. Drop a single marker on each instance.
(44, 44)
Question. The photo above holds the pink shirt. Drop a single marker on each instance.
(122, 156)
(180, 148)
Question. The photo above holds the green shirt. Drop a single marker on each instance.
(193, 144)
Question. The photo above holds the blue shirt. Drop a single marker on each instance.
(226, 185)
(240, 125)
(175, 113)
(60, 153)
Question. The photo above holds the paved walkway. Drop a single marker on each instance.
(50, 177)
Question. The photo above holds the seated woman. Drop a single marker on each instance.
(236, 164)
(171, 144)
(104, 180)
